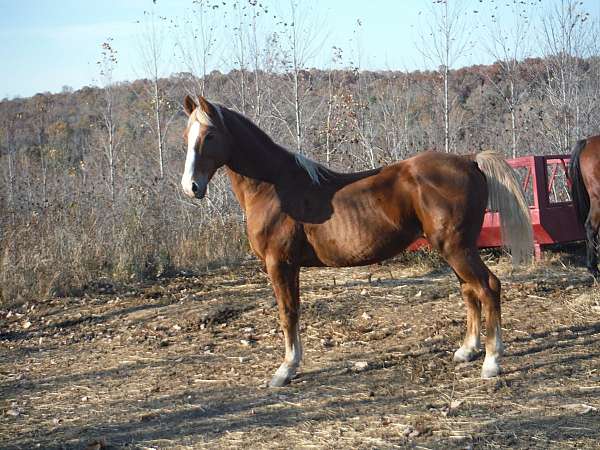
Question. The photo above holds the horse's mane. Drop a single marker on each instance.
(317, 173)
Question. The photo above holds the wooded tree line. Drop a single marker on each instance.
(90, 178)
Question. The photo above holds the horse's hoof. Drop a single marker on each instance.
(490, 368)
(279, 381)
(465, 354)
(283, 376)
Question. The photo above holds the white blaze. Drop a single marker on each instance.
(190, 158)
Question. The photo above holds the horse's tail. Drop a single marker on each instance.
(579, 194)
(506, 196)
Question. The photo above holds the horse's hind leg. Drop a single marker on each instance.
(470, 347)
(285, 280)
(592, 227)
(479, 284)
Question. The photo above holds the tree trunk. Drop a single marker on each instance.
(159, 131)
(297, 108)
(513, 119)
(446, 113)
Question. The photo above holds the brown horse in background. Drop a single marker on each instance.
(584, 172)
(300, 214)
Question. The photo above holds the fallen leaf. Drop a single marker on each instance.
(455, 404)
(361, 365)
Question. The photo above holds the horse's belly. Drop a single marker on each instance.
(353, 245)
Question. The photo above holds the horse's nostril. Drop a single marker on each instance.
(194, 187)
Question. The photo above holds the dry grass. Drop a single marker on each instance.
(182, 363)
(63, 248)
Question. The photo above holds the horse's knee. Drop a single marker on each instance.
(494, 284)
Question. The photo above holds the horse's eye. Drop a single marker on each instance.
(208, 137)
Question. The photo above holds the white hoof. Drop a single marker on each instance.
(283, 376)
(490, 368)
(465, 354)
(277, 381)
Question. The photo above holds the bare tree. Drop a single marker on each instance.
(110, 136)
(197, 43)
(240, 24)
(443, 44)
(333, 95)
(8, 126)
(340, 123)
(589, 111)
(304, 34)
(509, 46)
(564, 39)
(152, 51)
(248, 49)
(41, 108)
(395, 98)
(256, 58)
(363, 120)
(260, 52)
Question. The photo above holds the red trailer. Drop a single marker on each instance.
(546, 188)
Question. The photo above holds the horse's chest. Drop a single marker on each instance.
(272, 234)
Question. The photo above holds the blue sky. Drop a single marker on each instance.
(48, 44)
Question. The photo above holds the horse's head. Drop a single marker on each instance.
(207, 146)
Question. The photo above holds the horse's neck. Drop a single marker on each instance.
(257, 165)
(262, 161)
(244, 187)
(255, 161)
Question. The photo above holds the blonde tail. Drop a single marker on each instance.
(506, 197)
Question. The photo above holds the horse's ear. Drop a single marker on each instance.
(206, 106)
(211, 111)
(189, 105)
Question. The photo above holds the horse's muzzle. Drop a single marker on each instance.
(195, 188)
(199, 189)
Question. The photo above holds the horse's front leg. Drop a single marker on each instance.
(285, 280)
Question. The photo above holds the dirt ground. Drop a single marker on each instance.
(183, 363)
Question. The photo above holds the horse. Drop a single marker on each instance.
(300, 213)
(584, 174)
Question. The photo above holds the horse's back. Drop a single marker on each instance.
(442, 164)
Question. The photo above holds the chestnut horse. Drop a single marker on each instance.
(301, 214)
(584, 173)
